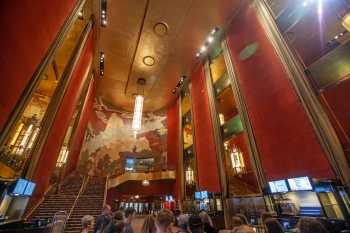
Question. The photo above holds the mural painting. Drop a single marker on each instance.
(110, 141)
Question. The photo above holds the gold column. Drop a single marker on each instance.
(218, 142)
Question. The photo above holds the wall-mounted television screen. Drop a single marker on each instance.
(300, 184)
(197, 195)
(204, 194)
(29, 189)
(19, 187)
(201, 195)
(278, 186)
(129, 164)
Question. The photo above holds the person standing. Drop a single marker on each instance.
(195, 224)
(164, 220)
(129, 217)
(87, 222)
(149, 225)
(207, 222)
(103, 220)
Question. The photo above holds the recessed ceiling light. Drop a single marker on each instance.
(148, 61)
(203, 48)
(210, 39)
(198, 54)
(161, 29)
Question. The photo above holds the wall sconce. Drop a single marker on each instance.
(237, 161)
(346, 21)
(221, 119)
(189, 175)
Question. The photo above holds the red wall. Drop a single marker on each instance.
(337, 102)
(28, 28)
(131, 188)
(207, 168)
(75, 147)
(285, 138)
(50, 151)
(174, 142)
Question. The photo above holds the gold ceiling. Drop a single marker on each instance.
(170, 31)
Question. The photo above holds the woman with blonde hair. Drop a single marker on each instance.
(164, 220)
(87, 222)
(149, 225)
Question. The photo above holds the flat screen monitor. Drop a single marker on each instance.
(278, 186)
(29, 189)
(197, 195)
(19, 187)
(129, 164)
(300, 184)
(204, 194)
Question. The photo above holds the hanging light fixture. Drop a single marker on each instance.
(189, 175)
(138, 108)
(237, 161)
(145, 182)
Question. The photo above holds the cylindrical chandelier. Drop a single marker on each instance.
(138, 107)
(137, 118)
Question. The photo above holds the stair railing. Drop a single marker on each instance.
(38, 203)
(105, 193)
(82, 188)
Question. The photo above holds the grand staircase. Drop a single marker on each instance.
(90, 202)
(77, 197)
(62, 201)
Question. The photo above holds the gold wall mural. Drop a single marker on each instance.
(110, 141)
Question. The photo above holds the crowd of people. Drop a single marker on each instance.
(167, 221)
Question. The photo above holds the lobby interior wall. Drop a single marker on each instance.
(285, 138)
(28, 28)
(336, 100)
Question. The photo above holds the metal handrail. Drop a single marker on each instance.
(82, 188)
(105, 193)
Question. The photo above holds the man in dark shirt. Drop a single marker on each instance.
(103, 220)
(129, 216)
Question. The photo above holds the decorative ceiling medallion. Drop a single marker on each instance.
(161, 29)
(248, 51)
(148, 61)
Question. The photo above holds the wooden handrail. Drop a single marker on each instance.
(105, 193)
(82, 188)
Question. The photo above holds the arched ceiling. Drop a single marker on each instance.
(130, 36)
